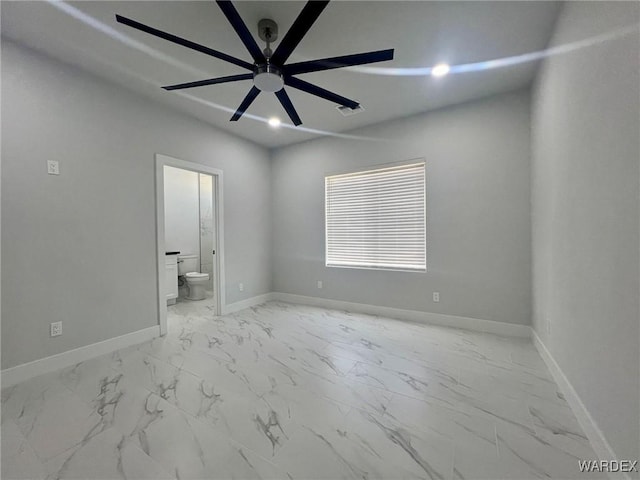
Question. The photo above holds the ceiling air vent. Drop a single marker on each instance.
(347, 111)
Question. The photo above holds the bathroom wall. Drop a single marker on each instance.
(80, 247)
(207, 225)
(181, 211)
(188, 215)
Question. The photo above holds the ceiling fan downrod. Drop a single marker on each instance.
(268, 32)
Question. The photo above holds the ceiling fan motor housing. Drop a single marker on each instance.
(268, 78)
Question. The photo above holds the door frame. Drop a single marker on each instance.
(161, 161)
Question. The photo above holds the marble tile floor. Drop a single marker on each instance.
(182, 298)
(296, 392)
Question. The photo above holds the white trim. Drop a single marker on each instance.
(20, 373)
(218, 267)
(248, 302)
(377, 166)
(598, 441)
(160, 254)
(474, 324)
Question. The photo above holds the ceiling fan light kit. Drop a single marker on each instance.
(268, 78)
(270, 72)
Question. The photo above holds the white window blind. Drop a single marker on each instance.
(376, 218)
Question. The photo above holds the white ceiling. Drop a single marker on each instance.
(422, 34)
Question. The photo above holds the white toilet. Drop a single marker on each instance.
(188, 265)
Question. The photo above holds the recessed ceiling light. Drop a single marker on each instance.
(440, 70)
(274, 122)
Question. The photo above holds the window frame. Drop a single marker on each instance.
(371, 168)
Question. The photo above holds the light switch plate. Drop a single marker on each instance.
(56, 329)
(53, 167)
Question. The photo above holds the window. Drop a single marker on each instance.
(376, 218)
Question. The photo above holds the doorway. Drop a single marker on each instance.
(207, 228)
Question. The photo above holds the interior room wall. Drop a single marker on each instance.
(478, 214)
(585, 201)
(80, 247)
(181, 211)
(207, 225)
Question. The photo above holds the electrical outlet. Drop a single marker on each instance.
(436, 297)
(241, 287)
(56, 329)
(53, 167)
(319, 283)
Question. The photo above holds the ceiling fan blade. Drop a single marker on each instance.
(183, 42)
(298, 30)
(319, 92)
(241, 29)
(339, 62)
(251, 96)
(288, 106)
(210, 81)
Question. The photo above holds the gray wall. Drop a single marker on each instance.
(80, 247)
(585, 215)
(478, 212)
(181, 211)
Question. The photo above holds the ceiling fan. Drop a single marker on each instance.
(269, 70)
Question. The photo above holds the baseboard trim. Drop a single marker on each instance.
(247, 303)
(475, 324)
(598, 441)
(20, 373)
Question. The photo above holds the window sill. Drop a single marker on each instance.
(380, 269)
